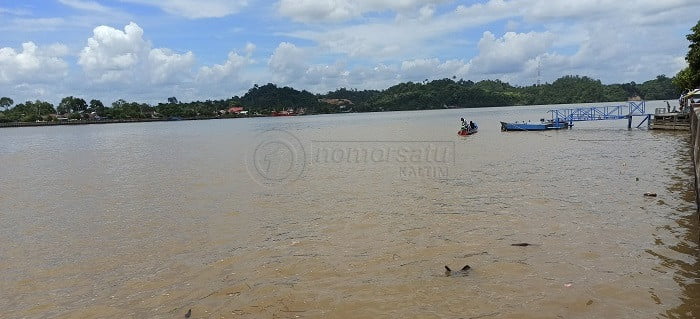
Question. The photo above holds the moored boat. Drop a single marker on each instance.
(527, 126)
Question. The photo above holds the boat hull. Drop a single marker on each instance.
(464, 132)
(533, 126)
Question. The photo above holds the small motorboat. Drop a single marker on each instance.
(468, 131)
(527, 126)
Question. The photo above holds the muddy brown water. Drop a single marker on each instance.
(347, 216)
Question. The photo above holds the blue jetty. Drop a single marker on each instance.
(565, 118)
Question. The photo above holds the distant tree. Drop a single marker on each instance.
(693, 56)
(97, 107)
(29, 111)
(689, 77)
(684, 79)
(42, 107)
(118, 103)
(71, 104)
(6, 102)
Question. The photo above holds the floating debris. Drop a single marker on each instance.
(522, 244)
(188, 314)
(650, 194)
(462, 272)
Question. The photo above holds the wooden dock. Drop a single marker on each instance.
(670, 121)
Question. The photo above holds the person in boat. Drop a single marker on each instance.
(472, 126)
(464, 124)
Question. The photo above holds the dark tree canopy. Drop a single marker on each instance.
(71, 104)
(6, 102)
(689, 78)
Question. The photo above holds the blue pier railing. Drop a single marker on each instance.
(599, 113)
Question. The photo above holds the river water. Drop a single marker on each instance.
(348, 216)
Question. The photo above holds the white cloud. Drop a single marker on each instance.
(34, 24)
(544, 10)
(116, 56)
(85, 5)
(112, 55)
(230, 70)
(169, 67)
(418, 68)
(426, 12)
(293, 66)
(423, 31)
(486, 12)
(249, 48)
(290, 65)
(373, 40)
(32, 64)
(288, 62)
(317, 11)
(509, 53)
(13, 11)
(341, 10)
(378, 77)
(226, 79)
(196, 9)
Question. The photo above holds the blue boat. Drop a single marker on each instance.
(542, 126)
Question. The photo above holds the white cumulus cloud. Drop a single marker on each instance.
(111, 54)
(228, 78)
(229, 70)
(509, 53)
(32, 63)
(288, 62)
(116, 56)
(169, 67)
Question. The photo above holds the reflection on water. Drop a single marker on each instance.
(153, 219)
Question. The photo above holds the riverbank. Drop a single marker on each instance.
(86, 122)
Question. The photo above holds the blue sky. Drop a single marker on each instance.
(148, 50)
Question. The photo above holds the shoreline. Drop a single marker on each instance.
(89, 122)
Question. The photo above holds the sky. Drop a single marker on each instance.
(148, 50)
